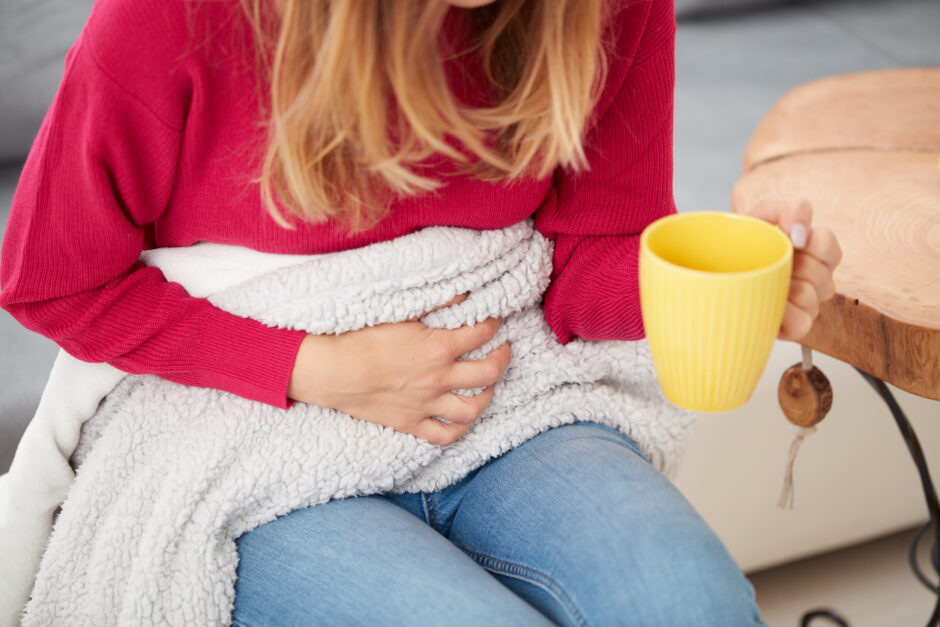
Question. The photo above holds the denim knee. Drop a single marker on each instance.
(695, 583)
(592, 534)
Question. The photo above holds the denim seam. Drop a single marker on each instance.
(536, 578)
(427, 512)
(434, 510)
(627, 445)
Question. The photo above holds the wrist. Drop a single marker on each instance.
(309, 381)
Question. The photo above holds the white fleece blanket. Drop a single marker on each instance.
(166, 476)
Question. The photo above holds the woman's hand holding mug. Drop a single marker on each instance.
(401, 374)
(816, 255)
(717, 289)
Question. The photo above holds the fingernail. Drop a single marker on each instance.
(798, 235)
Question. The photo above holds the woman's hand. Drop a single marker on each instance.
(401, 375)
(816, 254)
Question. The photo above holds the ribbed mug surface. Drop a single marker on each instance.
(713, 288)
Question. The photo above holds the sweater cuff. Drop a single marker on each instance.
(596, 295)
(246, 357)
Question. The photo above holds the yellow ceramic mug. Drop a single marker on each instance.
(713, 287)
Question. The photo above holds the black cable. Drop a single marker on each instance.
(915, 566)
(936, 555)
(933, 509)
(912, 558)
(917, 453)
(822, 613)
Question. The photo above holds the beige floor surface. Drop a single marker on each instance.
(870, 585)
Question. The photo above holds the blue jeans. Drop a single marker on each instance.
(573, 527)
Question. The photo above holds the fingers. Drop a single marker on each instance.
(440, 433)
(460, 411)
(787, 214)
(801, 309)
(480, 372)
(816, 256)
(824, 246)
(456, 300)
(811, 284)
(460, 408)
(803, 295)
(808, 268)
(819, 241)
(796, 323)
(467, 338)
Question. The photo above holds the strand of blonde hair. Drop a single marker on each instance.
(359, 99)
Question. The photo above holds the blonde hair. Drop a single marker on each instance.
(359, 98)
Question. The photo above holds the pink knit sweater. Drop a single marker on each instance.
(155, 136)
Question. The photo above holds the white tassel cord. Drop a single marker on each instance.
(786, 494)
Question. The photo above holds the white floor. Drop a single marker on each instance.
(869, 585)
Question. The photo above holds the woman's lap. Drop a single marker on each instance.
(574, 522)
(364, 561)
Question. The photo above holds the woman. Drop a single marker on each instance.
(360, 122)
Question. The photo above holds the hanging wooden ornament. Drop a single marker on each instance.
(805, 396)
(804, 393)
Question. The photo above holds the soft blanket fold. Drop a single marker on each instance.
(168, 476)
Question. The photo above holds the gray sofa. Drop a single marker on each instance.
(732, 66)
(34, 37)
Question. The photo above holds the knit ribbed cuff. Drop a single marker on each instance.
(247, 358)
(596, 296)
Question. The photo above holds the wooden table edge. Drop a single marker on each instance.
(748, 168)
(903, 354)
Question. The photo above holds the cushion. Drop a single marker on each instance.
(35, 36)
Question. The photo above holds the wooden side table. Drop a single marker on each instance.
(863, 149)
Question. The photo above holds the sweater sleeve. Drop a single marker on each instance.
(99, 174)
(596, 217)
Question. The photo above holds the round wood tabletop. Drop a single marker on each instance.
(885, 110)
(878, 188)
